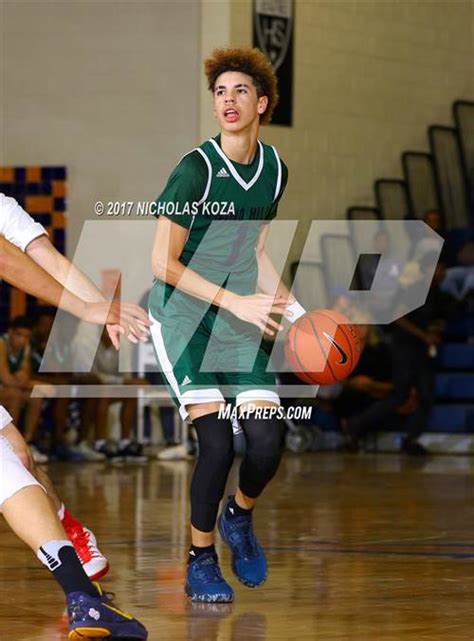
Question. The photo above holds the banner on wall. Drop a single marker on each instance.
(273, 22)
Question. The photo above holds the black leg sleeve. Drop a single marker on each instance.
(262, 456)
(216, 454)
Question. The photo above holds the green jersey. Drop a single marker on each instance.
(14, 359)
(223, 204)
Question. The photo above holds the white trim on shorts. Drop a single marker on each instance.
(257, 395)
(211, 395)
(206, 395)
(190, 397)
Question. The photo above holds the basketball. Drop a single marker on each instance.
(322, 347)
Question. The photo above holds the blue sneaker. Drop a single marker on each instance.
(204, 581)
(248, 560)
(98, 618)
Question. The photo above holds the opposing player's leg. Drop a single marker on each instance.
(30, 514)
(84, 542)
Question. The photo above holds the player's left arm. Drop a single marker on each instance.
(269, 280)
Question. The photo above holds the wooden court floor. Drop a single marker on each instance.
(360, 548)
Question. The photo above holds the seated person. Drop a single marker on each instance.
(415, 337)
(106, 368)
(16, 381)
(459, 280)
(68, 444)
(371, 380)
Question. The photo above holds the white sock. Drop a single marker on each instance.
(48, 553)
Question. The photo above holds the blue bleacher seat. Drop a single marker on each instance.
(456, 356)
(460, 329)
(452, 418)
(452, 387)
(454, 240)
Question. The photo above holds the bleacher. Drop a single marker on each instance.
(438, 179)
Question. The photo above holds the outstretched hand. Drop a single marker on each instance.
(125, 319)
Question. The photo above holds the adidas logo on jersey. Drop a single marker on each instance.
(186, 380)
(222, 173)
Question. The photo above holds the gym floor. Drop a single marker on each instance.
(360, 548)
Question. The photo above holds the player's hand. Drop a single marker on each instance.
(127, 319)
(256, 309)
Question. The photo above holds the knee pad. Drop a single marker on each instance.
(262, 456)
(13, 474)
(216, 454)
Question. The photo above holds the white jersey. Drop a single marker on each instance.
(19, 229)
(16, 225)
(5, 418)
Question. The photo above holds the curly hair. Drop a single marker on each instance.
(250, 61)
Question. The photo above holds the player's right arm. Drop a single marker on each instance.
(187, 183)
(20, 271)
(80, 296)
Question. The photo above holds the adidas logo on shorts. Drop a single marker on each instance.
(186, 380)
(222, 173)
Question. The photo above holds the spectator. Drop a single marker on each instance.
(69, 441)
(16, 381)
(371, 381)
(428, 245)
(389, 274)
(415, 337)
(106, 368)
(459, 280)
(459, 275)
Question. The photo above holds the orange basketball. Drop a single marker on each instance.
(322, 347)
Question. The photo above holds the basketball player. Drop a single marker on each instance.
(30, 514)
(209, 261)
(31, 263)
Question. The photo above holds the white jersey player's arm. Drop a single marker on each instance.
(16, 225)
(43, 252)
(20, 271)
(20, 229)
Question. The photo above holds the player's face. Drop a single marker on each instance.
(236, 104)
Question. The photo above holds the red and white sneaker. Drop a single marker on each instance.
(93, 561)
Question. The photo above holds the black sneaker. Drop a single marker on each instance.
(413, 448)
(109, 449)
(133, 453)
